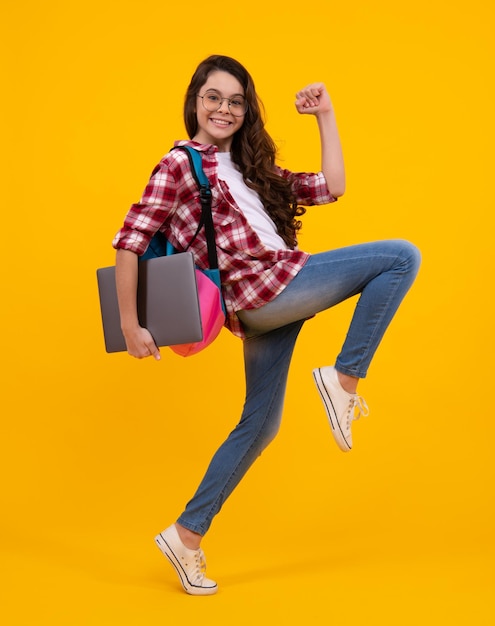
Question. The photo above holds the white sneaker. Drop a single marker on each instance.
(190, 565)
(341, 407)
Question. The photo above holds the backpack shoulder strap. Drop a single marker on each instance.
(196, 163)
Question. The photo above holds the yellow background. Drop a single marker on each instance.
(100, 452)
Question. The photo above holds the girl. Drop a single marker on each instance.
(270, 287)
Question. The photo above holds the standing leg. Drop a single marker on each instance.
(267, 359)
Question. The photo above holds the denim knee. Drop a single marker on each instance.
(410, 255)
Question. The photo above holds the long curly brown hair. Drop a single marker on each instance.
(253, 150)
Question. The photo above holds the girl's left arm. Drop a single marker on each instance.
(315, 100)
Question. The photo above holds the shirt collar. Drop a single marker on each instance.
(207, 148)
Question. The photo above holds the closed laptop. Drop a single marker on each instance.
(167, 302)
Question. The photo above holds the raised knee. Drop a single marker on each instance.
(410, 253)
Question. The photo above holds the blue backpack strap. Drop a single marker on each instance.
(160, 246)
(197, 166)
(196, 163)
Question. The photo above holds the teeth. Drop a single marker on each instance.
(220, 122)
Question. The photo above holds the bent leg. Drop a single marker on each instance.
(382, 272)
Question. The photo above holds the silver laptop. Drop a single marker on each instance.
(168, 303)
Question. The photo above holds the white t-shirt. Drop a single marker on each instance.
(249, 203)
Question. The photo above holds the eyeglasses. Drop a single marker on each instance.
(212, 101)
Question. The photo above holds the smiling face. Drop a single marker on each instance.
(218, 127)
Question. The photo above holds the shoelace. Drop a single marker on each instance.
(200, 570)
(357, 408)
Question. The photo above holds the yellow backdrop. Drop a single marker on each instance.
(100, 452)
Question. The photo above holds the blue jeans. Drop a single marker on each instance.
(382, 272)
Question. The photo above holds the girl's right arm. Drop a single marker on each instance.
(139, 341)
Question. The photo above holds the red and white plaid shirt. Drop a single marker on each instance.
(252, 274)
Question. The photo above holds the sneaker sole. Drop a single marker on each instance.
(330, 411)
(189, 588)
